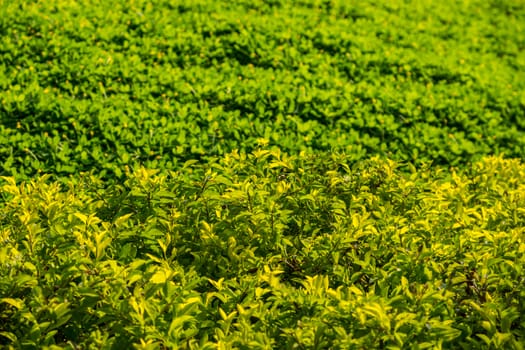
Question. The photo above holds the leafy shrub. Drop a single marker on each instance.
(265, 250)
(100, 85)
(262, 174)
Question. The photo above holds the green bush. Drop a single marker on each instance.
(263, 250)
(100, 85)
(259, 174)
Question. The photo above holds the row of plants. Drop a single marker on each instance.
(101, 85)
(265, 250)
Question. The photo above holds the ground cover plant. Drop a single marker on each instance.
(100, 85)
(310, 174)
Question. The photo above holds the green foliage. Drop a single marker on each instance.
(259, 174)
(265, 250)
(97, 85)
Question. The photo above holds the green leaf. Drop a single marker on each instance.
(17, 303)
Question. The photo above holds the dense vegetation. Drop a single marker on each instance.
(89, 85)
(262, 174)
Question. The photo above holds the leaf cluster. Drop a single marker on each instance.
(265, 250)
(101, 85)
